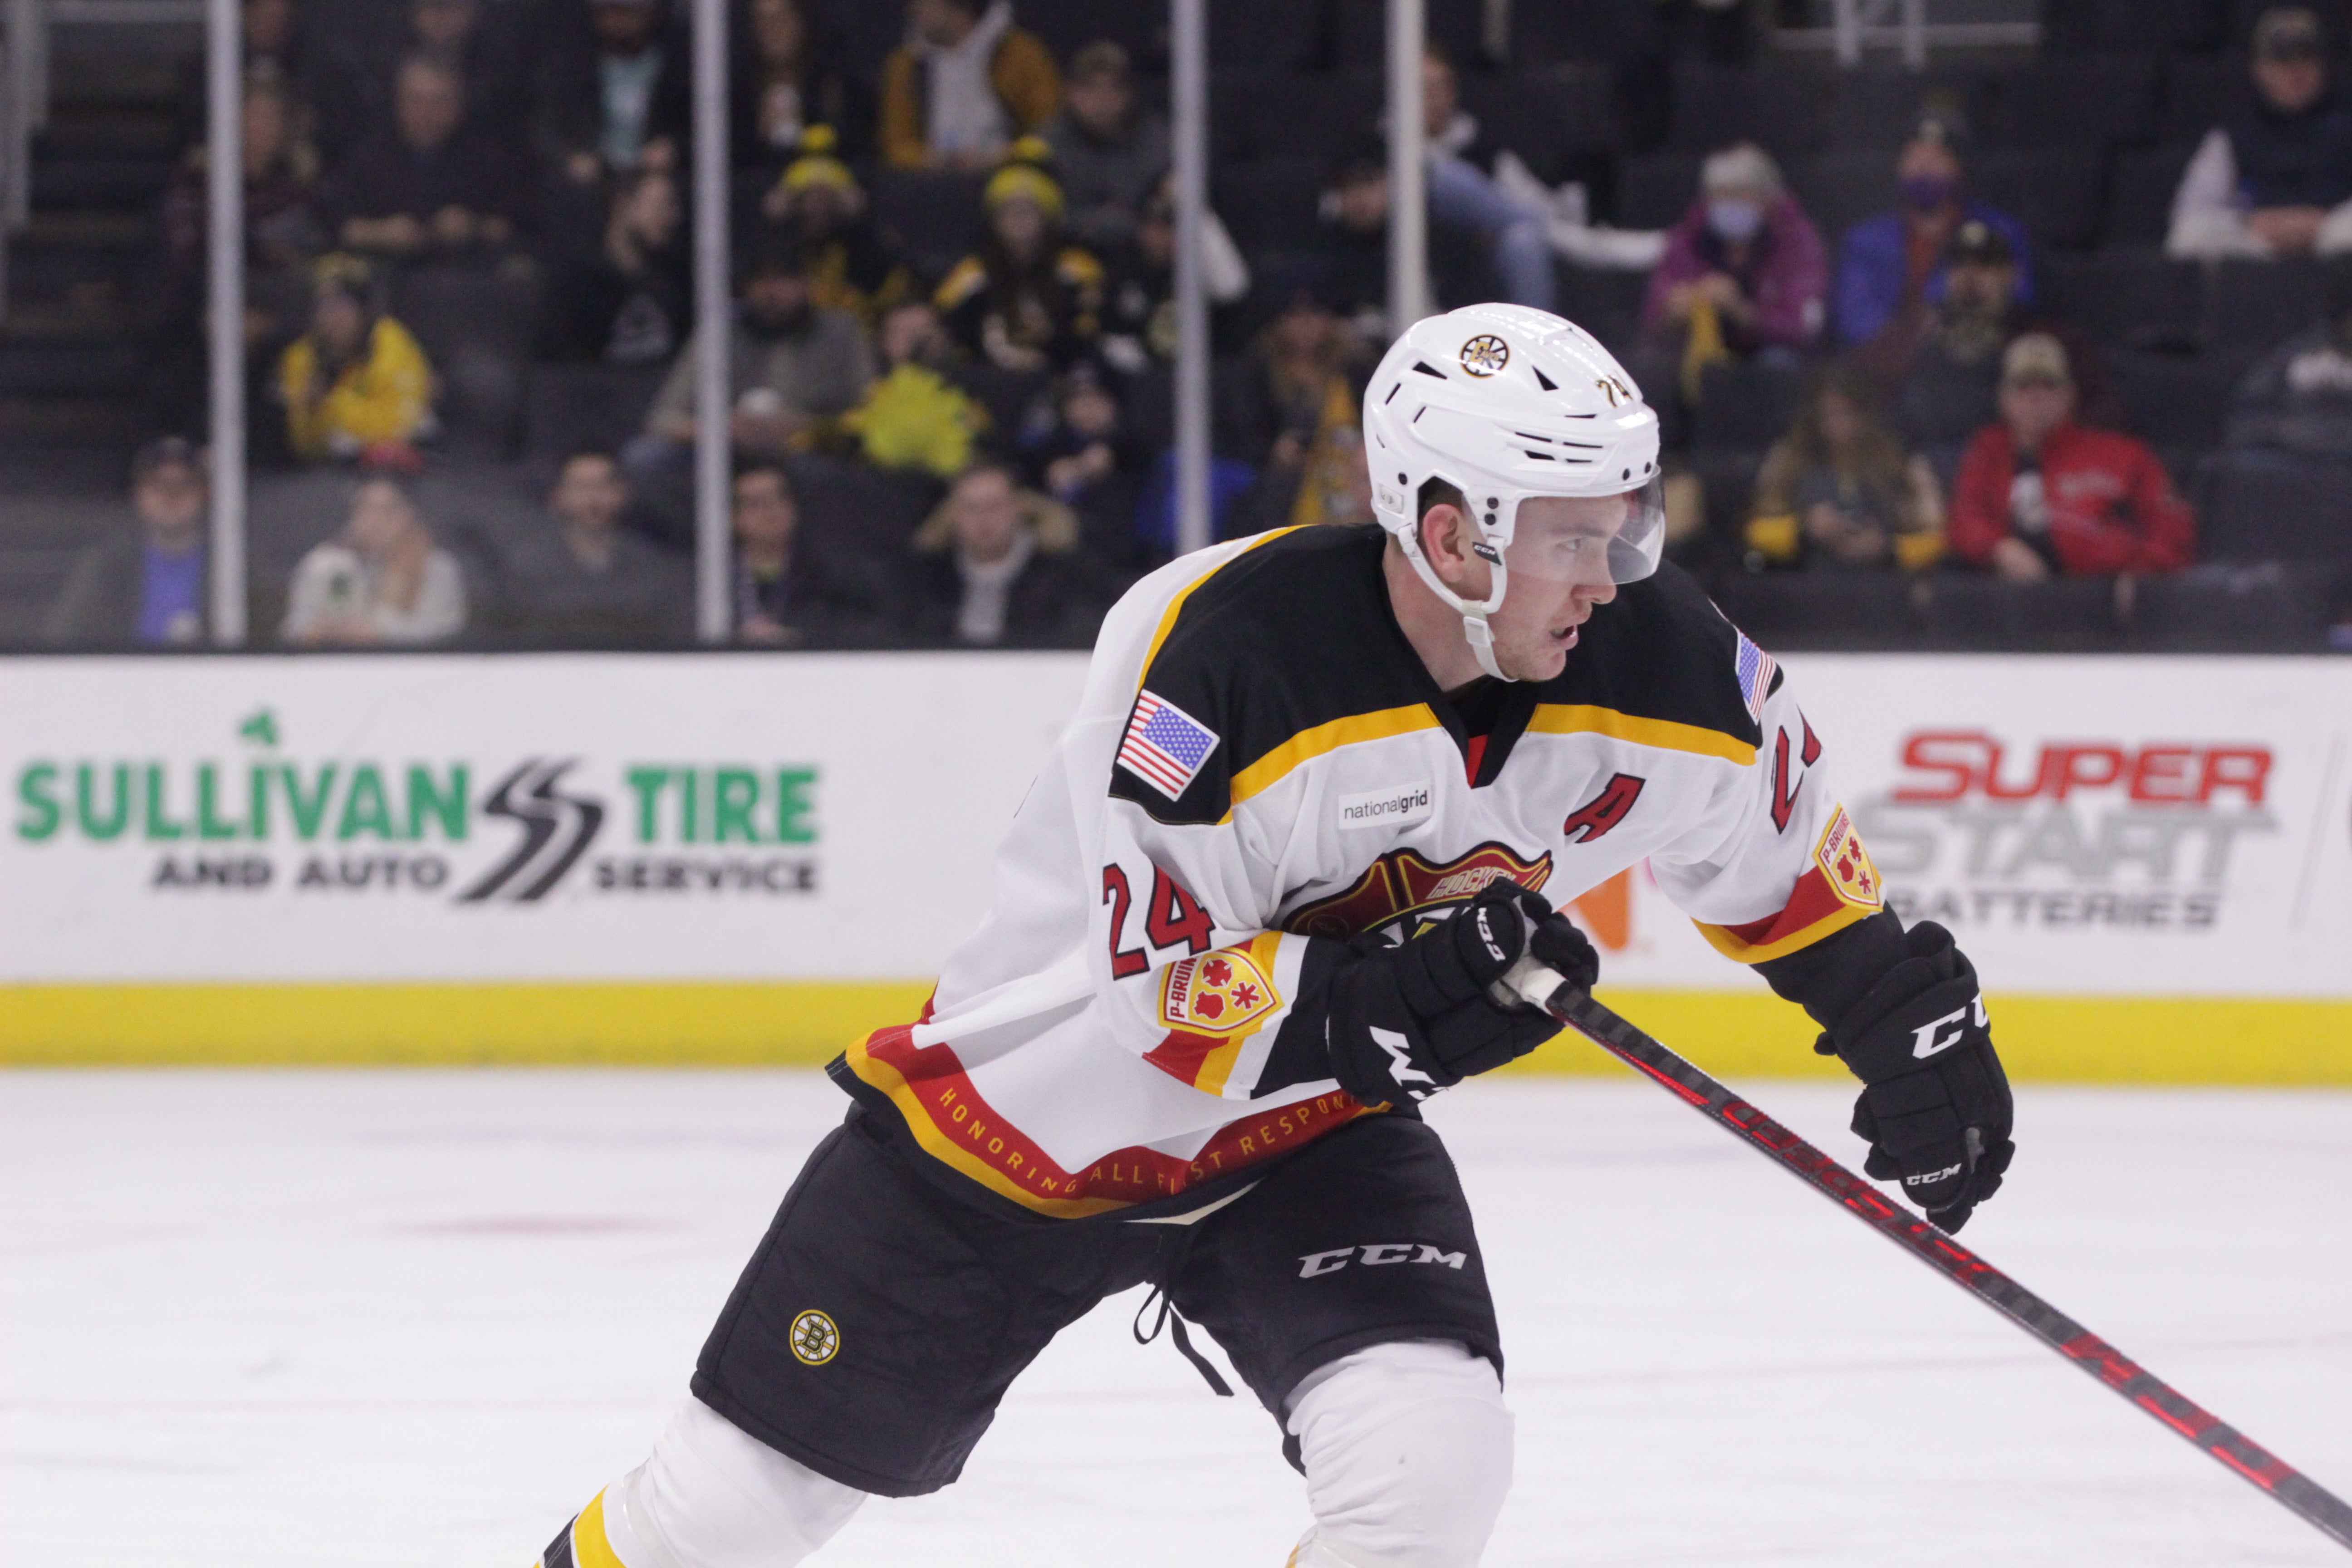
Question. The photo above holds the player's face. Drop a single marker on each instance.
(1559, 573)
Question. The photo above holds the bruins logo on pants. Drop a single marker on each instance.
(815, 1340)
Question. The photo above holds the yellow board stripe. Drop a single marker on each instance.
(1584, 718)
(589, 1549)
(1176, 605)
(1304, 747)
(1745, 1034)
(703, 1024)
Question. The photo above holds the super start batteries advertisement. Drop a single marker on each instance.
(2084, 826)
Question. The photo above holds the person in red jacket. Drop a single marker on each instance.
(2039, 495)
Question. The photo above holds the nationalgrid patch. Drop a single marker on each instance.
(1165, 746)
(1755, 669)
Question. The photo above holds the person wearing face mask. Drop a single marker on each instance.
(1897, 259)
(1744, 271)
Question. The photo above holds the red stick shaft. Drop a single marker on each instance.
(1925, 1242)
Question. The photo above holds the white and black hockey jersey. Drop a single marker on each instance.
(1262, 769)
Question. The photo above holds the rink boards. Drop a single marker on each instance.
(742, 857)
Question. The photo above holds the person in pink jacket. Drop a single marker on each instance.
(1745, 265)
(2040, 496)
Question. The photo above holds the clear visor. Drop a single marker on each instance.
(1587, 539)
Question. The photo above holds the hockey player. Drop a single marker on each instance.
(1326, 789)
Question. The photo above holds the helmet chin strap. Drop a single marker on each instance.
(1474, 613)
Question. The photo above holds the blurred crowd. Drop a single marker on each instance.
(950, 414)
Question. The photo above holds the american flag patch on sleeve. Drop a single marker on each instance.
(1164, 745)
(1755, 668)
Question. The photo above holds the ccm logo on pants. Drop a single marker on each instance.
(1331, 1262)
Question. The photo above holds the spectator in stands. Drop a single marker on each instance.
(632, 301)
(146, 587)
(1940, 364)
(2298, 399)
(783, 597)
(995, 566)
(790, 365)
(851, 265)
(621, 97)
(1461, 190)
(963, 86)
(488, 50)
(787, 80)
(1140, 291)
(1889, 262)
(2040, 495)
(1745, 272)
(1295, 411)
(913, 416)
(1352, 258)
(1026, 302)
(282, 232)
(2276, 178)
(1079, 449)
(356, 386)
(1839, 490)
(586, 581)
(382, 581)
(1110, 152)
(430, 184)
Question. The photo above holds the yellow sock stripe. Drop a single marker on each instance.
(589, 1547)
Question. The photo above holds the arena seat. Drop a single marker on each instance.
(2274, 506)
(2087, 102)
(2053, 191)
(1976, 610)
(2257, 305)
(1554, 119)
(568, 406)
(1317, 116)
(1783, 108)
(476, 325)
(2173, 400)
(1824, 608)
(1877, 105)
(1842, 187)
(2272, 604)
(1270, 203)
(2141, 185)
(2198, 94)
(936, 215)
(1239, 29)
(2136, 298)
(1655, 189)
(1746, 405)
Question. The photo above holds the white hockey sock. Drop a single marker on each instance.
(1408, 1455)
(712, 1496)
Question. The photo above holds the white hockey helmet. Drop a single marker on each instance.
(1507, 404)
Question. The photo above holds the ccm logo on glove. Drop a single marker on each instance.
(1931, 1042)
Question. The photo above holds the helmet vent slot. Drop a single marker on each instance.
(1391, 396)
(1425, 368)
(1531, 435)
(1544, 381)
(1541, 457)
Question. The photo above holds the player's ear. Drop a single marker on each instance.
(1446, 542)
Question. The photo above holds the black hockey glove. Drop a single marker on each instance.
(1936, 1108)
(1405, 1021)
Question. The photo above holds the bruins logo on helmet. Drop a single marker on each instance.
(815, 1340)
(1484, 355)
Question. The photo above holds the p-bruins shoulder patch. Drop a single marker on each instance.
(1847, 865)
(1219, 992)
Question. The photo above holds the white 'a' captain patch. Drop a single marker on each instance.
(1755, 669)
(1164, 746)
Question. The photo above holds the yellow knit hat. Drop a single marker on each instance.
(1023, 177)
(818, 162)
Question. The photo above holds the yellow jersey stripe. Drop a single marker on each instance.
(589, 1549)
(1308, 744)
(1829, 924)
(1584, 718)
(1176, 605)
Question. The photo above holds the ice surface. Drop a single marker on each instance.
(418, 1319)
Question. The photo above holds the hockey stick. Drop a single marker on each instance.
(1931, 1246)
